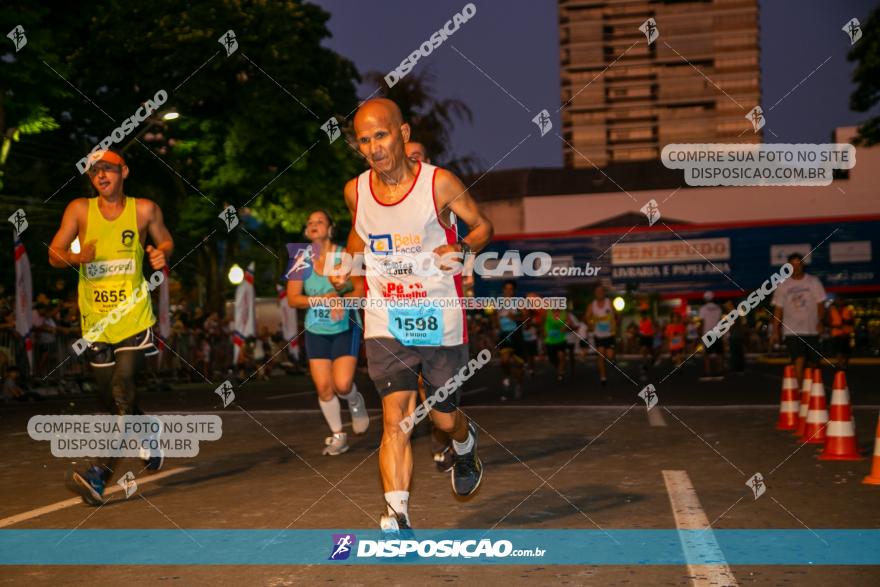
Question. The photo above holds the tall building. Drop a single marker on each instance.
(624, 99)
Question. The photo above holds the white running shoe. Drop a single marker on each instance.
(395, 527)
(336, 444)
(360, 419)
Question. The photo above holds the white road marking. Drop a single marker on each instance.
(473, 391)
(314, 392)
(689, 515)
(60, 505)
(608, 407)
(655, 417)
(294, 394)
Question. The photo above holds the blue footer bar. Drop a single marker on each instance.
(440, 547)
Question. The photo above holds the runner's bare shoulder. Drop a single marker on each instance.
(447, 186)
(146, 208)
(78, 208)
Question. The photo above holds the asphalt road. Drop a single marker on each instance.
(567, 455)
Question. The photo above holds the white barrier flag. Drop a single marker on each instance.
(245, 321)
(289, 322)
(24, 295)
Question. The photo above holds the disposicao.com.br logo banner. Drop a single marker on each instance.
(471, 546)
(278, 546)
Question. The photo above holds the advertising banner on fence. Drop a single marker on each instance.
(688, 258)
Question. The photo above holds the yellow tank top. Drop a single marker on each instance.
(114, 298)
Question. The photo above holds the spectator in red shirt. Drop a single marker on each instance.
(674, 336)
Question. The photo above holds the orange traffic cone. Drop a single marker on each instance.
(874, 477)
(840, 444)
(817, 416)
(806, 388)
(788, 405)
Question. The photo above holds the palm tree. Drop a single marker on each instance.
(431, 119)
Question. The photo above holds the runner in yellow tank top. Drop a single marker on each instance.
(114, 298)
(109, 281)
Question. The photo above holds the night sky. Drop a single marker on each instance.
(515, 42)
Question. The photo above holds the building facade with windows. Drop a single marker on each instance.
(623, 98)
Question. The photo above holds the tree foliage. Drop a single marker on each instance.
(866, 52)
(248, 134)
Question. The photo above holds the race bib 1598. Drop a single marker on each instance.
(419, 326)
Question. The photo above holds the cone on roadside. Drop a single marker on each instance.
(789, 404)
(874, 477)
(817, 415)
(840, 434)
(804, 407)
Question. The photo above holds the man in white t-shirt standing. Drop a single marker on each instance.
(713, 355)
(799, 311)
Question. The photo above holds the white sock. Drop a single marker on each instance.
(397, 502)
(332, 414)
(352, 395)
(463, 447)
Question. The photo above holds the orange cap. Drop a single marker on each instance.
(105, 155)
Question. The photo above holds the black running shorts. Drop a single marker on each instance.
(396, 367)
(103, 354)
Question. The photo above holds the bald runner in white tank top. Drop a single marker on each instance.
(399, 240)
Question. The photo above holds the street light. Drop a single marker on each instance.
(74, 246)
(236, 274)
(619, 304)
(159, 119)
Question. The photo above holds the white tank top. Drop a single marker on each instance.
(399, 239)
(603, 318)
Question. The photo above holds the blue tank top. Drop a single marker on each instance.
(318, 320)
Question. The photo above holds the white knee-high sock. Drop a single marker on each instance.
(352, 393)
(332, 413)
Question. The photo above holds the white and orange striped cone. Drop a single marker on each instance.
(788, 404)
(817, 415)
(874, 477)
(840, 441)
(806, 388)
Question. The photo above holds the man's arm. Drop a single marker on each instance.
(777, 323)
(60, 255)
(160, 235)
(451, 194)
(820, 305)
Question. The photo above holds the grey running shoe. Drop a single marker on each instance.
(360, 419)
(336, 444)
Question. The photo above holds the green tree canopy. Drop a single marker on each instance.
(249, 133)
(866, 52)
